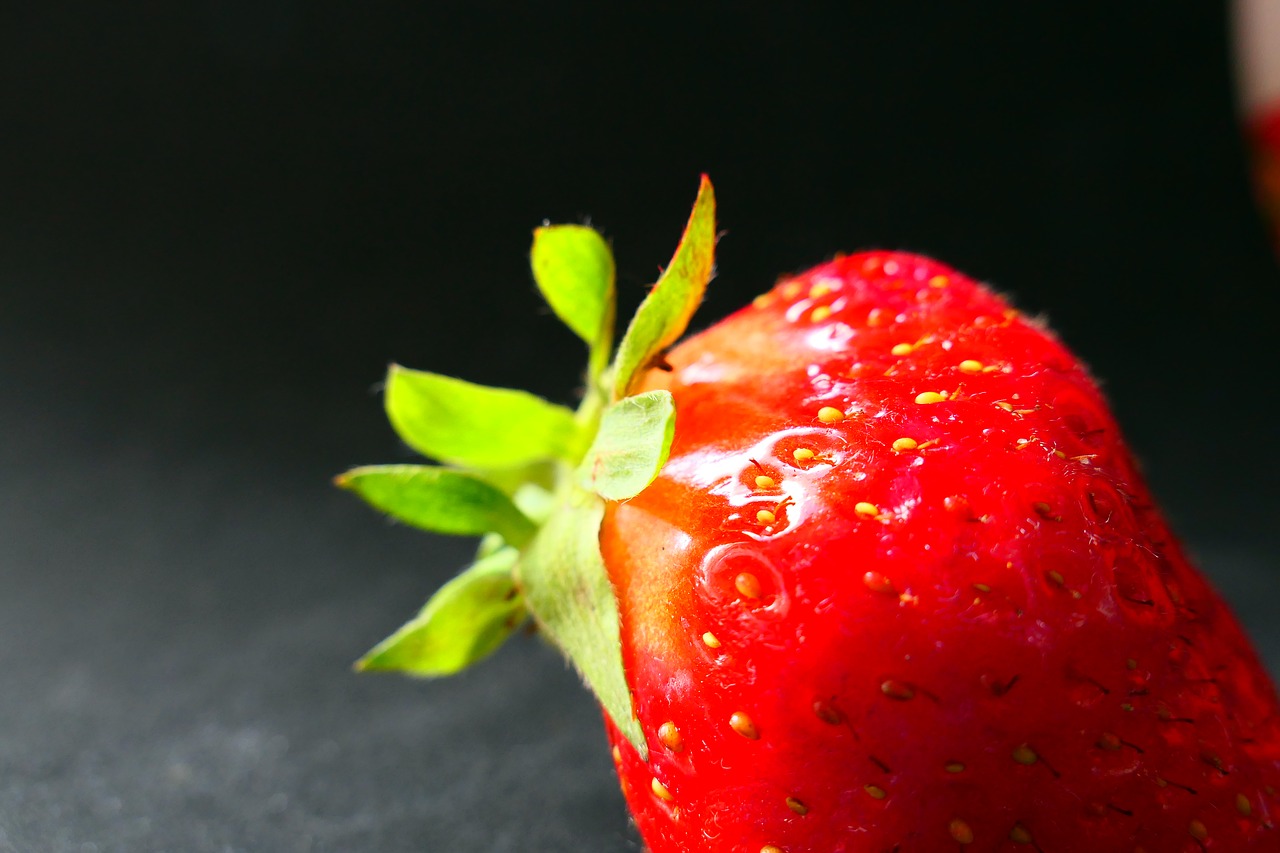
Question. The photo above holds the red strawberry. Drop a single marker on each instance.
(898, 587)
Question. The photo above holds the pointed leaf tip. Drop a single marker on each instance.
(665, 313)
(463, 623)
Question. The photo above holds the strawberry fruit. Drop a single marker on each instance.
(865, 566)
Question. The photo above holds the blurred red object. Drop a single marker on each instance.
(1257, 43)
(1263, 130)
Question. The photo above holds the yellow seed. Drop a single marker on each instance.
(1055, 577)
(1243, 805)
(764, 300)
(770, 848)
(1008, 407)
(817, 315)
(866, 509)
(955, 767)
(982, 587)
(744, 725)
(939, 281)
(925, 398)
(903, 444)
(670, 736)
(765, 482)
(748, 585)
(875, 317)
(819, 290)
(877, 582)
(765, 516)
(1019, 834)
(1198, 831)
(902, 349)
(710, 640)
(797, 806)
(660, 790)
(1025, 755)
(792, 289)
(830, 415)
(876, 791)
(828, 713)
(971, 366)
(617, 755)
(802, 454)
(1109, 741)
(960, 832)
(897, 690)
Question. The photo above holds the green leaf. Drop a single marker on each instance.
(510, 481)
(464, 622)
(441, 500)
(574, 269)
(631, 446)
(568, 591)
(665, 313)
(476, 426)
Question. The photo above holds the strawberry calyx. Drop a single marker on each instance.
(532, 478)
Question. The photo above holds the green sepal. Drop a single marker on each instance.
(573, 267)
(567, 589)
(475, 426)
(538, 516)
(465, 621)
(665, 313)
(511, 481)
(441, 500)
(631, 447)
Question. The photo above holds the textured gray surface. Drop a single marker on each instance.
(175, 642)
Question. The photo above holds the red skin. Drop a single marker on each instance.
(1026, 595)
(1263, 133)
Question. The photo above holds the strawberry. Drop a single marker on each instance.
(865, 566)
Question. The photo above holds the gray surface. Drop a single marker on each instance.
(175, 642)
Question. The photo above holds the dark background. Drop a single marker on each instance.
(219, 222)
